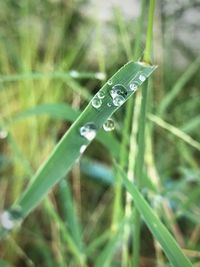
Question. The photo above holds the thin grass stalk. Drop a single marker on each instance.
(127, 124)
(175, 131)
(131, 110)
(179, 85)
(141, 136)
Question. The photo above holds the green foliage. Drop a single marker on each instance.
(53, 60)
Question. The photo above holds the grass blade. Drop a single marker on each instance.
(67, 151)
(175, 131)
(160, 232)
(51, 75)
(65, 112)
(186, 76)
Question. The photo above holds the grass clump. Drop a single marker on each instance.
(131, 197)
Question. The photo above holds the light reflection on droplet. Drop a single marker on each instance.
(109, 125)
(96, 102)
(88, 131)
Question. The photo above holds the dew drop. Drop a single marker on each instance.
(74, 73)
(109, 125)
(109, 82)
(3, 134)
(100, 76)
(118, 89)
(96, 102)
(11, 218)
(88, 131)
(109, 104)
(133, 87)
(118, 100)
(82, 149)
(142, 77)
(100, 94)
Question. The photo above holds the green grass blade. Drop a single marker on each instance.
(175, 131)
(57, 111)
(191, 125)
(160, 232)
(67, 237)
(67, 151)
(186, 76)
(107, 252)
(69, 212)
(98, 171)
(66, 112)
(51, 75)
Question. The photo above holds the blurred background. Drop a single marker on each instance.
(56, 54)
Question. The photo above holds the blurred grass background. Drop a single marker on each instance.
(55, 36)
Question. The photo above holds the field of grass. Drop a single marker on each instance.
(99, 136)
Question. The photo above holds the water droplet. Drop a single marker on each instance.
(82, 149)
(101, 94)
(3, 134)
(96, 102)
(109, 125)
(74, 73)
(142, 77)
(109, 104)
(109, 82)
(118, 100)
(118, 89)
(88, 131)
(11, 218)
(100, 76)
(133, 87)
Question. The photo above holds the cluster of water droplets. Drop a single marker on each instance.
(11, 218)
(137, 81)
(88, 131)
(118, 94)
(97, 100)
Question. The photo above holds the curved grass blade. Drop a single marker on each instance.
(68, 150)
(175, 131)
(160, 232)
(69, 212)
(66, 112)
(51, 75)
(57, 111)
(109, 249)
(179, 85)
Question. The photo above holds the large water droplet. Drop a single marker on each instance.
(82, 149)
(118, 100)
(100, 94)
(118, 89)
(109, 125)
(96, 102)
(88, 131)
(11, 218)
